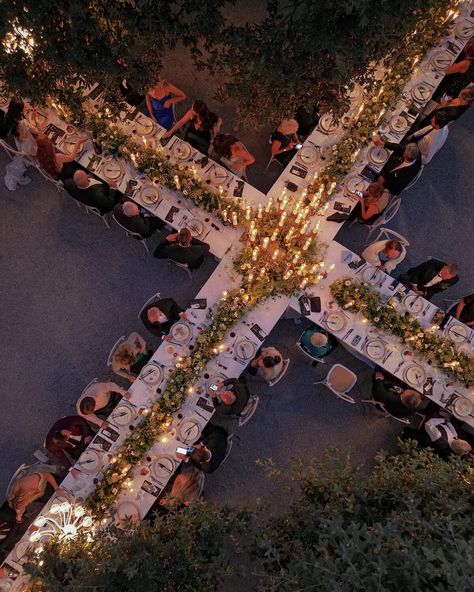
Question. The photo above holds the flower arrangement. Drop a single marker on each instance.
(440, 351)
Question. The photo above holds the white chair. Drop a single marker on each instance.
(314, 359)
(156, 296)
(273, 158)
(20, 472)
(118, 342)
(96, 212)
(184, 266)
(247, 412)
(93, 381)
(56, 182)
(418, 175)
(388, 234)
(284, 368)
(381, 407)
(448, 304)
(133, 235)
(230, 443)
(340, 380)
(388, 214)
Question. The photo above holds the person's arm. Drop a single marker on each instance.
(178, 95)
(150, 108)
(277, 147)
(137, 341)
(459, 309)
(62, 158)
(248, 159)
(398, 149)
(370, 254)
(112, 387)
(52, 481)
(216, 128)
(459, 68)
(186, 117)
(367, 212)
(83, 427)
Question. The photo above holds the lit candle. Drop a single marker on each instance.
(224, 294)
(144, 141)
(299, 217)
(250, 277)
(134, 160)
(282, 219)
(274, 235)
(314, 268)
(283, 203)
(234, 218)
(289, 234)
(316, 228)
(263, 271)
(302, 269)
(307, 243)
(248, 209)
(224, 215)
(221, 191)
(276, 252)
(269, 204)
(177, 183)
(265, 242)
(331, 267)
(304, 283)
(331, 187)
(260, 212)
(288, 274)
(255, 254)
(253, 235)
(304, 228)
(296, 257)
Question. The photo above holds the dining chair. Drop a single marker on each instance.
(381, 407)
(230, 443)
(340, 380)
(418, 175)
(314, 359)
(284, 368)
(273, 158)
(112, 351)
(448, 303)
(184, 266)
(56, 182)
(388, 214)
(389, 234)
(20, 472)
(247, 412)
(96, 212)
(156, 296)
(134, 235)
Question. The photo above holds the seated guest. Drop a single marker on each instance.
(398, 401)
(452, 109)
(464, 310)
(371, 205)
(444, 437)
(68, 437)
(203, 125)
(430, 139)
(211, 449)
(430, 278)
(130, 356)
(233, 154)
(232, 397)
(283, 140)
(129, 216)
(100, 398)
(182, 248)
(267, 365)
(185, 489)
(126, 91)
(25, 490)
(160, 100)
(58, 165)
(159, 316)
(460, 74)
(307, 120)
(92, 192)
(317, 342)
(385, 255)
(402, 168)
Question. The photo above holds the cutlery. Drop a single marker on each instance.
(240, 361)
(119, 414)
(165, 468)
(85, 462)
(142, 377)
(399, 366)
(202, 416)
(347, 334)
(206, 234)
(221, 365)
(425, 310)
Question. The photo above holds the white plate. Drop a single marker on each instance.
(398, 123)
(189, 431)
(20, 549)
(151, 374)
(69, 143)
(218, 175)
(123, 415)
(421, 92)
(371, 275)
(458, 333)
(112, 170)
(182, 151)
(149, 195)
(327, 124)
(336, 321)
(415, 375)
(195, 226)
(441, 59)
(354, 183)
(462, 407)
(89, 462)
(163, 467)
(308, 154)
(181, 332)
(245, 349)
(464, 30)
(377, 154)
(375, 349)
(215, 379)
(144, 126)
(413, 303)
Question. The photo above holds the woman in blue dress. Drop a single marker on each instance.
(160, 100)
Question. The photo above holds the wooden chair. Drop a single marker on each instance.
(340, 380)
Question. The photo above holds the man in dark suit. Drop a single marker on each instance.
(402, 168)
(430, 278)
(396, 398)
(92, 192)
(69, 435)
(182, 248)
(160, 315)
(129, 216)
(232, 398)
(210, 451)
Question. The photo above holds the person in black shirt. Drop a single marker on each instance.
(211, 449)
(159, 316)
(129, 216)
(464, 310)
(284, 140)
(233, 399)
(69, 435)
(397, 400)
(430, 278)
(182, 248)
(403, 166)
(92, 192)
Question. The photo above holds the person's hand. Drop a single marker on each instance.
(183, 315)
(167, 104)
(88, 439)
(172, 237)
(127, 396)
(381, 267)
(445, 99)
(3, 573)
(378, 375)
(19, 517)
(166, 135)
(377, 140)
(103, 425)
(182, 457)
(60, 492)
(163, 502)
(381, 179)
(113, 184)
(131, 378)
(75, 473)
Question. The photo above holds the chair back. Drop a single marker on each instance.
(131, 234)
(230, 443)
(156, 296)
(389, 234)
(390, 212)
(418, 175)
(300, 346)
(284, 368)
(20, 472)
(381, 407)
(248, 411)
(96, 212)
(112, 351)
(184, 266)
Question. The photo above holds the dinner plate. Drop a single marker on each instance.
(151, 374)
(69, 143)
(123, 415)
(413, 303)
(371, 275)
(112, 170)
(144, 126)
(441, 59)
(308, 154)
(149, 195)
(218, 175)
(464, 30)
(415, 375)
(336, 321)
(245, 349)
(375, 349)
(354, 183)
(377, 154)
(20, 549)
(398, 123)
(181, 150)
(421, 92)
(195, 226)
(215, 379)
(189, 431)
(163, 467)
(462, 407)
(327, 124)
(128, 510)
(181, 332)
(458, 333)
(89, 462)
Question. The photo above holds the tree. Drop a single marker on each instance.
(307, 53)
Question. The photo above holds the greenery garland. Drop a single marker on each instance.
(360, 298)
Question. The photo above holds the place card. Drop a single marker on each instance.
(94, 163)
(239, 188)
(305, 306)
(102, 443)
(298, 171)
(202, 402)
(340, 207)
(428, 387)
(356, 264)
(258, 331)
(171, 214)
(151, 488)
(198, 303)
(131, 188)
(110, 433)
(53, 132)
(369, 174)
(96, 92)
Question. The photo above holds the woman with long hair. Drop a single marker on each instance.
(58, 165)
(130, 357)
(371, 204)
(160, 100)
(28, 489)
(284, 140)
(233, 154)
(203, 126)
